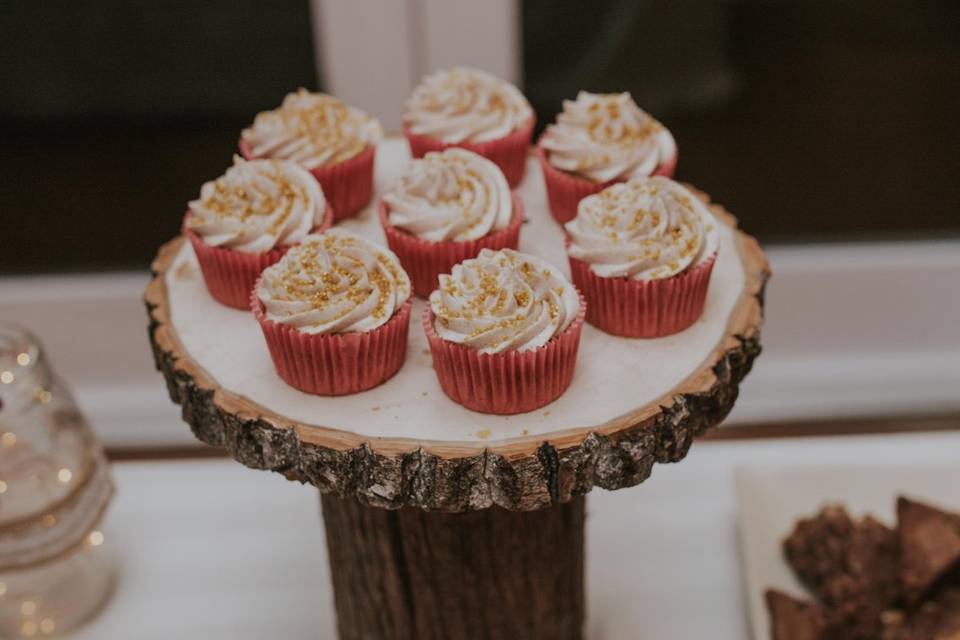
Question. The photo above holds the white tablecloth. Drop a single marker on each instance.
(209, 549)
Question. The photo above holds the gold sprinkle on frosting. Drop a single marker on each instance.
(257, 206)
(605, 137)
(312, 129)
(465, 105)
(646, 228)
(455, 195)
(503, 300)
(335, 282)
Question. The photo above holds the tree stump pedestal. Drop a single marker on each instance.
(489, 574)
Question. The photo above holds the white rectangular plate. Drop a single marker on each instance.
(770, 500)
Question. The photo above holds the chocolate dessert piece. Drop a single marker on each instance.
(936, 619)
(794, 619)
(871, 582)
(852, 566)
(818, 546)
(929, 546)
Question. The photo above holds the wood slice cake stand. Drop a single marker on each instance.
(442, 522)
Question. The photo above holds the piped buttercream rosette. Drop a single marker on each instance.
(504, 329)
(335, 313)
(642, 253)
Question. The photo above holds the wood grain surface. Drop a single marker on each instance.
(410, 574)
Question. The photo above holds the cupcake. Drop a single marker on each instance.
(474, 110)
(598, 140)
(247, 218)
(336, 143)
(335, 312)
(504, 329)
(445, 209)
(642, 253)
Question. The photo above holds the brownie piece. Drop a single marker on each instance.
(818, 547)
(852, 566)
(871, 584)
(794, 619)
(929, 546)
(935, 619)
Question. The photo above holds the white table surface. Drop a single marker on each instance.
(209, 549)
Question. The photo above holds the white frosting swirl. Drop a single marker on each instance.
(644, 229)
(450, 195)
(312, 129)
(334, 282)
(503, 300)
(606, 137)
(465, 105)
(258, 205)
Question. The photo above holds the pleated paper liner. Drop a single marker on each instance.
(335, 364)
(643, 308)
(230, 275)
(508, 382)
(347, 185)
(566, 190)
(424, 260)
(509, 152)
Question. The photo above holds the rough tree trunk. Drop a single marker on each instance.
(491, 574)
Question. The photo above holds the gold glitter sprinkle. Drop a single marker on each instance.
(503, 303)
(336, 274)
(333, 129)
(185, 271)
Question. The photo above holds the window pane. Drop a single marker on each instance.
(810, 120)
(114, 112)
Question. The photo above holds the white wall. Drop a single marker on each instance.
(371, 53)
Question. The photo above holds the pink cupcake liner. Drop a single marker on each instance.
(424, 260)
(565, 190)
(509, 152)
(643, 308)
(335, 364)
(508, 382)
(347, 185)
(230, 275)
(668, 168)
